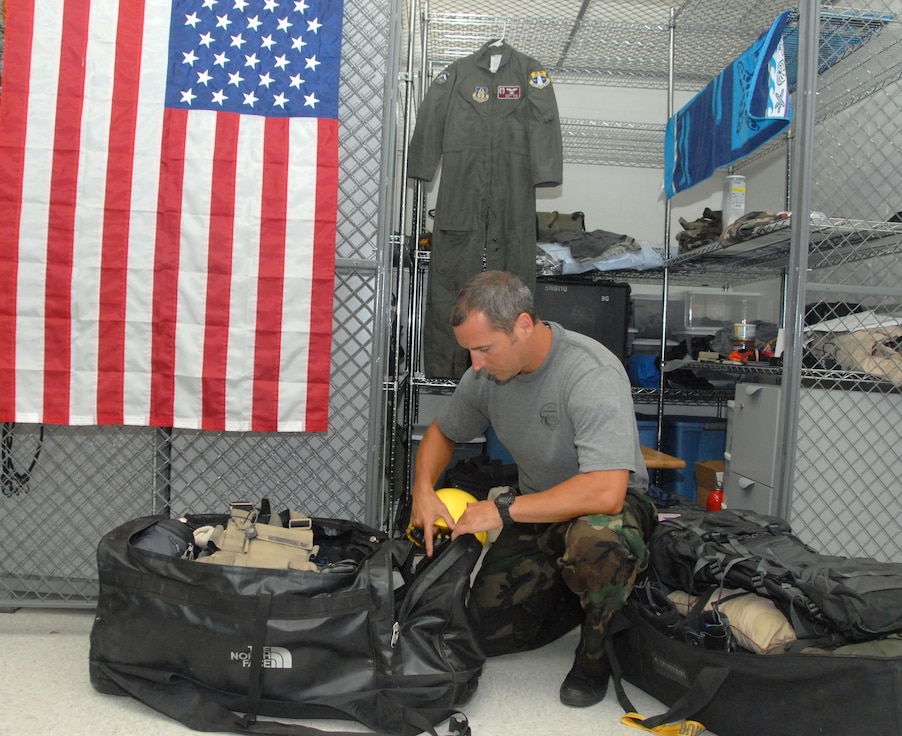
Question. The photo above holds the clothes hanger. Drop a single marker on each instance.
(500, 41)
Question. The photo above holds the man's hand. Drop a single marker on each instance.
(427, 508)
(432, 458)
(477, 517)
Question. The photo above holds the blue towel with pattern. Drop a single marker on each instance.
(743, 107)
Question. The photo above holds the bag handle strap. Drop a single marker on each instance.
(255, 676)
(184, 701)
(699, 693)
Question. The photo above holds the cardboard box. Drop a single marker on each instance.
(708, 474)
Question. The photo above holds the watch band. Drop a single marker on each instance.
(503, 502)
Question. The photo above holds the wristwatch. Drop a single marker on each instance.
(503, 503)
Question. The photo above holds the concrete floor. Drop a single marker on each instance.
(46, 690)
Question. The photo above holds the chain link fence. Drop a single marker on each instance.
(848, 461)
(64, 487)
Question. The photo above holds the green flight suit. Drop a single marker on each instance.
(498, 136)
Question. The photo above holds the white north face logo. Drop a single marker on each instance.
(274, 658)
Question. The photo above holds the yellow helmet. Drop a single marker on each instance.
(456, 501)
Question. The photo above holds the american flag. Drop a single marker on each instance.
(168, 189)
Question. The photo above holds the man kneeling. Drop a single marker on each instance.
(573, 535)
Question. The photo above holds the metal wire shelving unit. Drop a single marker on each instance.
(841, 157)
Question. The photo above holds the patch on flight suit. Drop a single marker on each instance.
(509, 92)
(481, 94)
(441, 78)
(539, 79)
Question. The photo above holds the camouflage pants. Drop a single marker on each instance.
(539, 581)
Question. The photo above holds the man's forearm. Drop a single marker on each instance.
(600, 492)
(433, 456)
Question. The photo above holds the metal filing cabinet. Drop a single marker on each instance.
(752, 448)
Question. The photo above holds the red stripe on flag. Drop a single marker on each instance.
(116, 216)
(166, 265)
(323, 277)
(61, 216)
(271, 277)
(219, 271)
(13, 122)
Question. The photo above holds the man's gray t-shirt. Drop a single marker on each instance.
(573, 415)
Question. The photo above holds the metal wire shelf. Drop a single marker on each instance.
(675, 396)
(613, 143)
(811, 377)
(832, 241)
(629, 45)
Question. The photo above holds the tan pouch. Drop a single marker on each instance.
(245, 542)
(549, 223)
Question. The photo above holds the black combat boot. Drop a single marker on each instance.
(585, 685)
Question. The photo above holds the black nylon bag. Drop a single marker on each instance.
(347, 642)
(745, 694)
(846, 599)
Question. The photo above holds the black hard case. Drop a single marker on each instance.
(599, 309)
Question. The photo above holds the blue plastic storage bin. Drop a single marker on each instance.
(648, 430)
(691, 438)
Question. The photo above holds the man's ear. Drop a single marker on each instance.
(524, 324)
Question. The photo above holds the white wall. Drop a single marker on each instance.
(630, 200)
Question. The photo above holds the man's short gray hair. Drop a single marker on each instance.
(500, 295)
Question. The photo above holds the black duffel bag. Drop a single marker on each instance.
(738, 693)
(371, 637)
